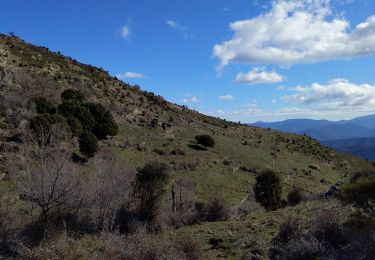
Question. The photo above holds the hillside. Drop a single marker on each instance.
(151, 128)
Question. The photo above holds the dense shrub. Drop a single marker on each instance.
(268, 189)
(324, 239)
(216, 210)
(141, 245)
(149, 188)
(72, 95)
(361, 192)
(328, 230)
(80, 112)
(88, 144)
(40, 123)
(104, 122)
(295, 197)
(93, 118)
(75, 126)
(44, 105)
(205, 140)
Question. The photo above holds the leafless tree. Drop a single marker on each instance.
(108, 188)
(49, 179)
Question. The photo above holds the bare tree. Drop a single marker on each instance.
(49, 179)
(108, 188)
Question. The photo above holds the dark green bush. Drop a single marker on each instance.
(268, 189)
(72, 95)
(88, 144)
(75, 126)
(205, 140)
(295, 197)
(104, 122)
(80, 112)
(149, 188)
(44, 105)
(40, 123)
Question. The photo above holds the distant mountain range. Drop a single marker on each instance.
(355, 136)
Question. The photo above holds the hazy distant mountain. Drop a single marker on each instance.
(361, 147)
(293, 125)
(356, 136)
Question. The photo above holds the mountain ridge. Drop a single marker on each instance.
(332, 133)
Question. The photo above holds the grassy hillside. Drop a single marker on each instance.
(154, 129)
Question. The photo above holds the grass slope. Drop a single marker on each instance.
(227, 171)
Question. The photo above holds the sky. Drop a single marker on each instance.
(242, 60)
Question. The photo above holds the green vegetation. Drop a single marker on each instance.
(150, 186)
(72, 95)
(295, 197)
(88, 144)
(44, 105)
(205, 140)
(75, 126)
(361, 192)
(268, 189)
(92, 117)
(104, 122)
(40, 123)
(74, 109)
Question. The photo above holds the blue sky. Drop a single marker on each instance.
(243, 60)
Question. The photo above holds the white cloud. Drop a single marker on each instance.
(280, 88)
(130, 75)
(185, 31)
(258, 76)
(192, 99)
(125, 31)
(338, 95)
(293, 32)
(226, 97)
(273, 101)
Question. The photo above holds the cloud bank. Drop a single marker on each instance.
(294, 32)
(338, 94)
(258, 76)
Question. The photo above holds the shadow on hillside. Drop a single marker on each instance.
(197, 147)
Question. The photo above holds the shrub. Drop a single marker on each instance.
(205, 140)
(292, 243)
(40, 123)
(79, 111)
(216, 210)
(75, 126)
(295, 197)
(44, 105)
(72, 95)
(149, 188)
(361, 192)
(290, 230)
(190, 247)
(5, 222)
(268, 189)
(328, 230)
(104, 122)
(88, 144)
